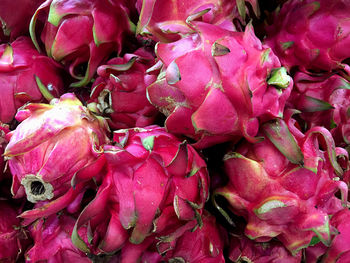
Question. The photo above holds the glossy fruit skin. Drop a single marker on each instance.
(121, 81)
(75, 33)
(285, 185)
(153, 179)
(217, 100)
(35, 149)
(51, 241)
(323, 100)
(21, 66)
(319, 40)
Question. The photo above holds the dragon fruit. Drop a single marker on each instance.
(185, 244)
(52, 242)
(15, 24)
(205, 244)
(166, 20)
(75, 33)
(242, 249)
(55, 147)
(11, 233)
(21, 68)
(217, 100)
(323, 101)
(318, 40)
(121, 81)
(285, 186)
(4, 129)
(339, 250)
(153, 177)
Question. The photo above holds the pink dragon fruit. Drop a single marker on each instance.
(242, 249)
(120, 82)
(339, 250)
(217, 100)
(52, 242)
(285, 185)
(80, 32)
(318, 40)
(153, 178)
(15, 24)
(11, 233)
(21, 69)
(202, 244)
(166, 20)
(323, 101)
(4, 129)
(55, 147)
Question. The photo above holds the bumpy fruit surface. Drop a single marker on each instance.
(75, 32)
(318, 40)
(21, 68)
(166, 21)
(119, 91)
(217, 100)
(285, 185)
(55, 147)
(153, 178)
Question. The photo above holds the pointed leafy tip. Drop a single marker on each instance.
(323, 232)
(265, 56)
(278, 133)
(117, 67)
(148, 143)
(221, 210)
(286, 45)
(7, 57)
(43, 89)
(78, 242)
(5, 29)
(268, 206)
(314, 240)
(311, 104)
(219, 50)
(345, 84)
(54, 17)
(95, 36)
(32, 23)
(83, 81)
(173, 73)
(197, 15)
(279, 78)
(241, 8)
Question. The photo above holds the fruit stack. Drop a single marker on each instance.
(174, 131)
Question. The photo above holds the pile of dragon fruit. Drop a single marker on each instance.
(175, 131)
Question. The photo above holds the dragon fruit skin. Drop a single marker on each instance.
(152, 178)
(52, 242)
(35, 149)
(339, 250)
(10, 233)
(4, 129)
(318, 40)
(284, 186)
(203, 245)
(123, 80)
(242, 249)
(217, 100)
(20, 66)
(323, 101)
(15, 24)
(166, 20)
(76, 33)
